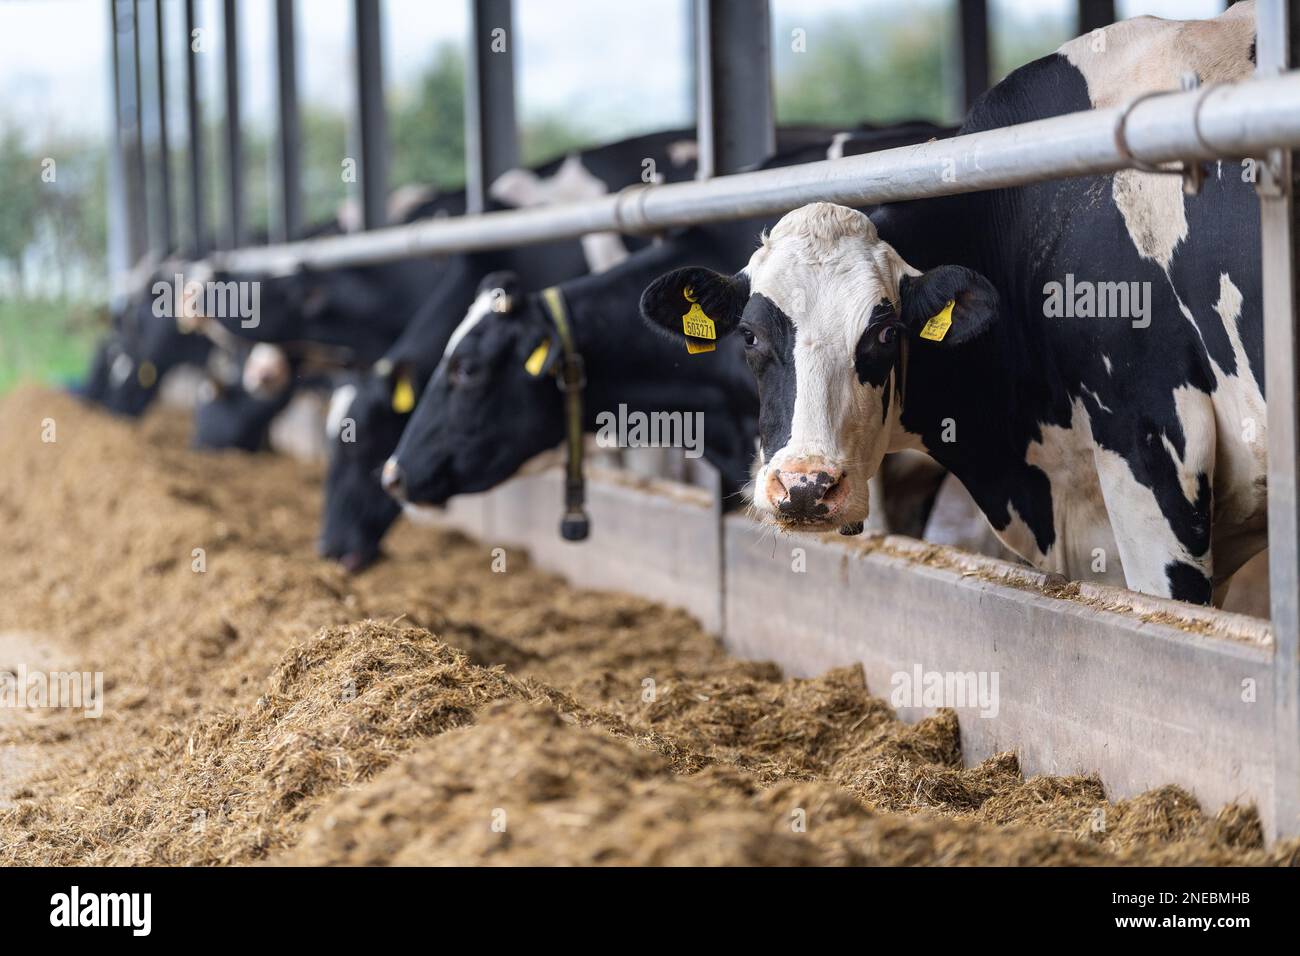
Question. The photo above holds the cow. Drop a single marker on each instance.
(357, 512)
(131, 361)
(1128, 448)
(229, 416)
(493, 402)
(180, 309)
(369, 411)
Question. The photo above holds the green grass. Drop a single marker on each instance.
(46, 340)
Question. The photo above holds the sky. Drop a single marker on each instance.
(596, 56)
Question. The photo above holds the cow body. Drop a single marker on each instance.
(1123, 447)
(371, 409)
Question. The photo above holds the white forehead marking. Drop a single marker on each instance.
(340, 404)
(825, 267)
(480, 307)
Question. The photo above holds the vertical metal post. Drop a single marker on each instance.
(139, 172)
(735, 126)
(974, 26)
(127, 90)
(164, 151)
(734, 84)
(234, 148)
(491, 134)
(289, 140)
(1277, 45)
(119, 227)
(372, 132)
(1094, 14)
(194, 122)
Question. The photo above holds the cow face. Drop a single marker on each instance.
(229, 417)
(491, 405)
(365, 421)
(145, 347)
(828, 313)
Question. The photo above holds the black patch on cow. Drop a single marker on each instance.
(804, 498)
(770, 355)
(1188, 583)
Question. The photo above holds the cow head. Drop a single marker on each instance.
(140, 352)
(226, 416)
(365, 420)
(830, 315)
(491, 405)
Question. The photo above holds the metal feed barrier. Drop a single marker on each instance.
(1139, 690)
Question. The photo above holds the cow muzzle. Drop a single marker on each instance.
(807, 492)
(393, 479)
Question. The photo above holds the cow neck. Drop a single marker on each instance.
(993, 390)
(628, 363)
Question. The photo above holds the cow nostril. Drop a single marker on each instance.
(392, 479)
(808, 494)
(776, 489)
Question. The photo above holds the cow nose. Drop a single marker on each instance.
(805, 491)
(393, 480)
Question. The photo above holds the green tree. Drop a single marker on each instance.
(875, 66)
(20, 198)
(427, 128)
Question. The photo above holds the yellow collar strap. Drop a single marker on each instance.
(571, 378)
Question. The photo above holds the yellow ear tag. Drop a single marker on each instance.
(695, 323)
(146, 374)
(938, 324)
(535, 361)
(403, 396)
(695, 348)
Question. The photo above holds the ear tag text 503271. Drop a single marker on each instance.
(403, 396)
(695, 323)
(533, 365)
(937, 326)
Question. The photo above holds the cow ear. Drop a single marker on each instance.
(695, 305)
(543, 354)
(949, 305)
(399, 382)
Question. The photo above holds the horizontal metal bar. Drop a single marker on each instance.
(1232, 120)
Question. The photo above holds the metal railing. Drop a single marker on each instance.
(1225, 121)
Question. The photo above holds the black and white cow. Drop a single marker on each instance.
(131, 361)
(494, 401)
(357, 512)
(368, 413)
(1085, 355)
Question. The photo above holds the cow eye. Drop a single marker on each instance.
(887, 335)
(748, 336)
